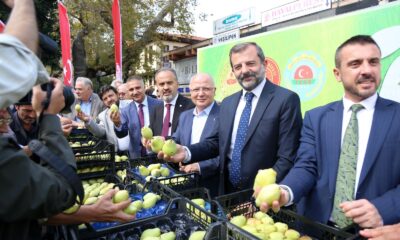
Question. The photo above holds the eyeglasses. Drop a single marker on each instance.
(204, 89)
(5, 121)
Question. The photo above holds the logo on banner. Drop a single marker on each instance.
(305, 74)
(67, 71)
(272, 72)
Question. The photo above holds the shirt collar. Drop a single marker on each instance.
(144, 102)
(368, 103)
(206, 111)
(173, 102)
(256, 91)
(89, 100)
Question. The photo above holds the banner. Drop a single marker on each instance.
(301, 58)
(116, 16)
(2, 26)
(65, 44)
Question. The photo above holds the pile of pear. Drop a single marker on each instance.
(263, 226)
(92, 169)
(94, 155)
(158, 143)
(155, 170)
(155, 234)
(121, 158)
(79, 144)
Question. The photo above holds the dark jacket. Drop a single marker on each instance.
(30, 191)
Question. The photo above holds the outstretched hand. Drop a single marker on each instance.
(276, 205)
(179, 156)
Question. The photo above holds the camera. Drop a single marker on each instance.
(68, 96)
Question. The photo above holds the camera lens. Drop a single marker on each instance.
(69, 99)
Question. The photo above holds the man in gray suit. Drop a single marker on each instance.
(90, 102)
(103, 127)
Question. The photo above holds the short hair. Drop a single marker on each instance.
(240, 47)
(358, 39)
(86, 81)
(135, 78)
(166, 69)
(115, 81)
(202, 74)
(104, 89)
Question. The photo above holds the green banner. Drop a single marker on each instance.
(301, 58)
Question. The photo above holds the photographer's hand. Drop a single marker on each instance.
(57, 101)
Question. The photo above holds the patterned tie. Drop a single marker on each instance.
(166, 123)
(346, 176)
(141, 120)
(234, 171)
(141, 115)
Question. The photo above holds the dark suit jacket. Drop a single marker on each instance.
(209, 168)
(272, 138)
(157, 118)
(315, 171)
(130, 123)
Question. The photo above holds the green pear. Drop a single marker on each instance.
(260, 215)
(150, 202)
(239, 221)
(90, 200)
(150, 195)
(156, 173)
(292, 234)
(197, 235)
(281, 227)
(168, 236)
(266, 228)
(268, 194)
(144, 171)
(138, 204)
(117, 158)
(200, 202)
(169, 148)
(154, 166)
(124, 158)
(253, 222)
(120, 196)
(165, 172)
(267, 220)
(78, 108)
(264, 177)
(114, 108)
(72, 209)
(147, 133)
(131, 209)
(152, 232)
(157, 144)
(250, 229)
(276, 236)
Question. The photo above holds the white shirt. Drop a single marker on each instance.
(242, 103)
(145, 111)
(172, 108)
(364, 118)
(199, 122)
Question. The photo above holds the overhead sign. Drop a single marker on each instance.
(293, 10)
(226, 36)
(301, 57)
(235, 20)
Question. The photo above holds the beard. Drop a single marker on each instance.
(250, 85)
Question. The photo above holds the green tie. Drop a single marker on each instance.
(346, 176)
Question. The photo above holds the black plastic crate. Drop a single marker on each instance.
(95, 229)
(178, 182)
(240, 203)
(182, 216)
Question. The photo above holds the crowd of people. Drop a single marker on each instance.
(339, 165)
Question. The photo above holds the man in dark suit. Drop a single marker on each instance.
(133, 117)
(165, 118)
(371, 170)
(259, 126)
(197, 124)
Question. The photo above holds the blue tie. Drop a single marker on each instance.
(235, 173)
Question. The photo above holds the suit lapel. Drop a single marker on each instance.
(177, 112)
(333, 134)
(225, 133)
(212, 118)
(381, 123)
(265, 98)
